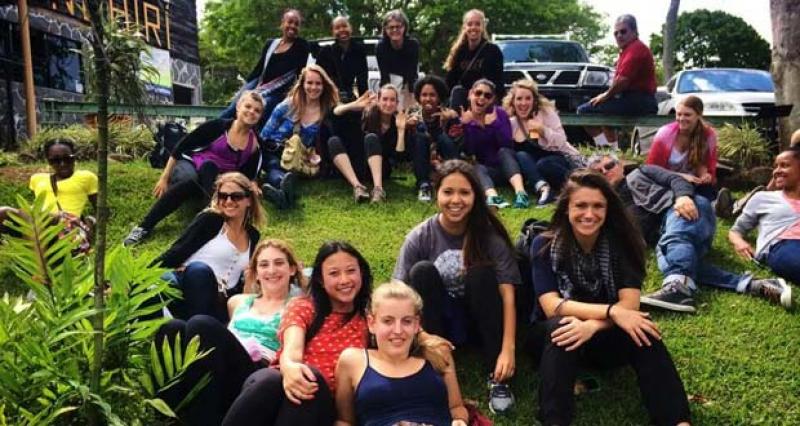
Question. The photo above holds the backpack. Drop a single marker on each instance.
(166, 137)
(525, 296)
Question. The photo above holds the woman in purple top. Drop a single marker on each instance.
(216, 147)
(487, 137)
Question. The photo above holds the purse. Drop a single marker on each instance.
(297, 157)
(80, 230)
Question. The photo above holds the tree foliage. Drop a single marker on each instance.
(715, 39)
(234, 31)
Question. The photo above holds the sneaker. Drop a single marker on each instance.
(289, 187)
(136, 236)
(275, 196)
(544, 195)
(378, 195)
(360, 194)
(673, 296)
(425, 193)
(521, 200)
(501, 400)
(497, 202)
(723, 207)
(773, 289)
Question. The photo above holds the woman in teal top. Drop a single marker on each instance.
(247, 344)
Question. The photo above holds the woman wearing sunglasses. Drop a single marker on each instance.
(211, 255)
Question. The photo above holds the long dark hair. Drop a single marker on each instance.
(481, 221)
(320, 298)
(622, 232)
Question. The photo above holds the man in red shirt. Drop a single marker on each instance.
(633, 90)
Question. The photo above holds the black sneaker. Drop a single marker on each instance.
(289, 187)
(425, 193)
(673, 296)
(136, 236)
(274, 196)
(501, 400)
(723, 207)
(773, 289)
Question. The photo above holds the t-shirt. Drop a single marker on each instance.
(73, 192)
(544, 279)
(333, 337)
(793, 231)
(636, 64)
(429, 241)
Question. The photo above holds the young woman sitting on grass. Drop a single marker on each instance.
(313, 333)
(405, 376)
(776, 214)
(462, 263)
(304, 112)
(385, 136)
(212, 253)
(216, 147)
(248, 343)
(587, 273)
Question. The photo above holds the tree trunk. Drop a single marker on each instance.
(102, 73)
(786, 61)
(668, 57)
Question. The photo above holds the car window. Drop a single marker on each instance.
(671, 84)
(722, 80)
(542, 51)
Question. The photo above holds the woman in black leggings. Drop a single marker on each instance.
(587, 273)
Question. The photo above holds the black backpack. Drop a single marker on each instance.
(525, 295)
(167, 137)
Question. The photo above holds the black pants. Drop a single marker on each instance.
(491, 177)
(661, 388)
(483, 304)
(263, 402)
(348, 128)
(181, 191)
(228, 366)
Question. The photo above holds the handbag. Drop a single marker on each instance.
(80, 230)
(297, 157)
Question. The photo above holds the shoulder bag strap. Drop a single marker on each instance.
(55, 191)
(472, 62)
(270, 51)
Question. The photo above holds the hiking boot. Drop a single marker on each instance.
(275, 196)
(425, 193)
(360, 194)
(378, 195)
(501, 400)
(496, 201)
(521, 200)
(673, 296)
(723, 207)
(136, 236)
(773, 289)
(289, 187)
(544, 195)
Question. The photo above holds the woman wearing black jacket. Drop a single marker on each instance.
(210, 257)
(216, 147)
(398, 55)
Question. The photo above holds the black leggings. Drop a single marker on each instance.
(181, 191)
(228, 366)
(659, 384)
(482, 301)
(491, 177)
(263, 402)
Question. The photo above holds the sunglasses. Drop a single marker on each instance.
(621, 32)
(233, 196)
(486, 95)
(606, 167)
(67, 159)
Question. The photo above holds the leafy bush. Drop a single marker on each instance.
(47, 339)
(744, 146)
(124, 138)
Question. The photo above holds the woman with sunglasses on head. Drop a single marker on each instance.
(211, 255)
(462, 263)
(314, 331)
(540, 143)
(406, 376)
(304, 112)
(215, 147)
(487, 137)
(248, 343)
(397, 54)
(587, 273)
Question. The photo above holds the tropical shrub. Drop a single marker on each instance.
(743, 145)
(135, 140)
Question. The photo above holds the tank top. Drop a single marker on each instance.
(420, 398)
(226, 157)
(248, 325)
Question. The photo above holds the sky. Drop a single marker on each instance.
(651, 14)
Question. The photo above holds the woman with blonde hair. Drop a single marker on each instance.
(304, 112)
(540, 144)
(210, 257)
(472, 57)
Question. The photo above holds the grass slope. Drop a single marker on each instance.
(739, 355)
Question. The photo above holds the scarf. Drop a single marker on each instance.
(590, 275)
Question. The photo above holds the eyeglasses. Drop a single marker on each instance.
(233, 196)
(621, 32)
(67, 159)
(485, 95)
(394, 27)
(605, 167)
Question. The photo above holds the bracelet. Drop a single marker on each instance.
(608, 310)
(560, 304)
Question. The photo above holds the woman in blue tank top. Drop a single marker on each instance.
(407, 376)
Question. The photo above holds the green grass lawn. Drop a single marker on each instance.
(739, 356)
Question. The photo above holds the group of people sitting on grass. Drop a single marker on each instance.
(328, 348)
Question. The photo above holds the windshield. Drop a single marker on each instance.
(542, 51)
(725, 81)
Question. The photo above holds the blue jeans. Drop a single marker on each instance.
(552, 169)
(199, 286)
(270, 102)
(784, 259)
(684, 243)
(272, 168)
(625, 103)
